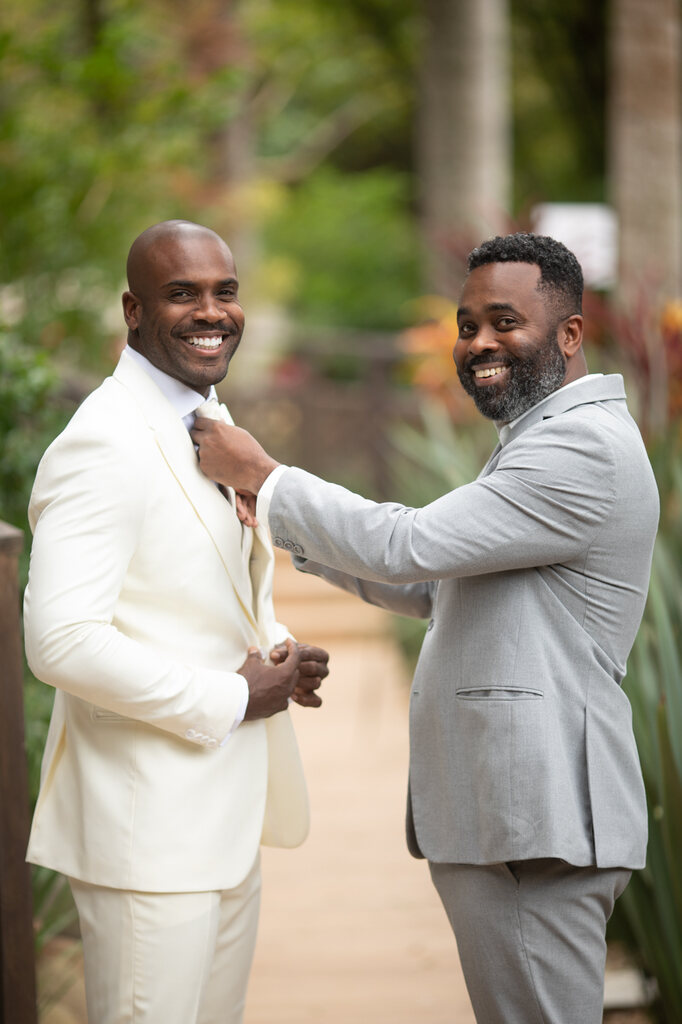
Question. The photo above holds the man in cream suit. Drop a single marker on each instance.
(170, 755)
(525, 792)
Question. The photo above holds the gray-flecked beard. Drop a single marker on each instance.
(527, 383)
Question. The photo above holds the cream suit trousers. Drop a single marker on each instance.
(530, 936)
(167, 958)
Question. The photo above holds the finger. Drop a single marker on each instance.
(313, 668)
(307, 700)
(245, 511)
(308, 683)
(310, 653)
(293, 649)
(278, 654)
(290, 665)
(255, 652)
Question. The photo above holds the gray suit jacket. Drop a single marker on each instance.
(534, 578)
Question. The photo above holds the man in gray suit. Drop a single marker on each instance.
(525, 792)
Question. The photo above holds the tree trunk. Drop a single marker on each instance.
(463, 133)
(644, 145)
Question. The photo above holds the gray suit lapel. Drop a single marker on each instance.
(593, 389)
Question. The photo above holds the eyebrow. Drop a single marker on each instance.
(492, 307)
(192, 284)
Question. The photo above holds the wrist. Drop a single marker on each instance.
(264, 470)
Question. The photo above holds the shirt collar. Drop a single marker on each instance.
(504, 429)
(183, 399)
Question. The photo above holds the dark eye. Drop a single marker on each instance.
(505, 322)
(466, 330)
(179, 294)
(227, 294)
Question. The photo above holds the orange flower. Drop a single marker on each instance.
(429, 365)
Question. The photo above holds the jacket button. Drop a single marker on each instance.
(288, 545)
(278, 542)
(190, 734)
(430, 625)
(298, 550)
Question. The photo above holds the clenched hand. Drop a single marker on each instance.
(312, 669)
(270, 686)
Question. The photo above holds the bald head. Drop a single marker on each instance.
(148, 248)
(182, 307)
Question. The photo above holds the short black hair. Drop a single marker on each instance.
(560, 271)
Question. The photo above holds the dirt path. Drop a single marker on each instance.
(351, 927)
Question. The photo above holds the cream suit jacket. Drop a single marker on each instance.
(139, 610)
(534, 579)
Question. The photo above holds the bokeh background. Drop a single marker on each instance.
(351, 154)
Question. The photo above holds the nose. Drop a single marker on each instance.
(483, 341)
(209, 309)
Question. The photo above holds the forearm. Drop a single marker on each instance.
(96, 663)
(544, 504)
(412, 599)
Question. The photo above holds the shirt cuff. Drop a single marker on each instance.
(241, 710)
(266, 492)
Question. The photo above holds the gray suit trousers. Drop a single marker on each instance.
(531, 937)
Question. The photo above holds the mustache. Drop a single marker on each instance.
(223, 327)
(479, 360)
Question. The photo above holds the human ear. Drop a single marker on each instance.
(571, 335)
(131, 310)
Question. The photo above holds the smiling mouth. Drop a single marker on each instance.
(485, 373)
(206, 342)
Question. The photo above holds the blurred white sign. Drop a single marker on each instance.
(590, 230)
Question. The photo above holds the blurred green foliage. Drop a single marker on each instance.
(352, 249)
(651, 906)
(95, 127)
(559, 85)
(113, 116)
(28, 421)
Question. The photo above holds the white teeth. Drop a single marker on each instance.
(492, 372)
(205, 342)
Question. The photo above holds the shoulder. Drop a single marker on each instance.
(101, 448)
(594, 446)
(108, 418)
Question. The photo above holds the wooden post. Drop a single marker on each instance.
(17, 967)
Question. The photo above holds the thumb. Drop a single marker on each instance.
(294, 654)
(255, 652)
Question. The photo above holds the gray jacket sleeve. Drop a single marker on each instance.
(546, 499)
(413, 599)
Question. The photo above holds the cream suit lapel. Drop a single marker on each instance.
(258, 547)
(261, 567)
(177, 450)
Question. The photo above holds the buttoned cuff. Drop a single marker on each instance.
(266, 492)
